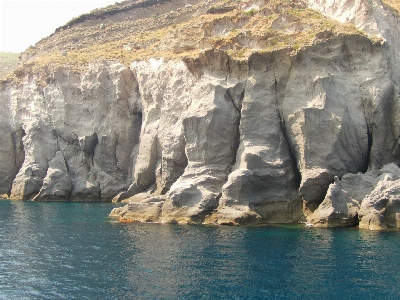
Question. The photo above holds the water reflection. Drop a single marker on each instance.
(16, 228)
(230, 262)
(70, 251)
(178, 260)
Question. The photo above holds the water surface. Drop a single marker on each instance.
(73, 251)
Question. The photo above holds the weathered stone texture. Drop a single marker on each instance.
(281, 137)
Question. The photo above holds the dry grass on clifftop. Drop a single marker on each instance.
(178, 29)
(394, 4)
(8, 61)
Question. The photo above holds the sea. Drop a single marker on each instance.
(64, 250)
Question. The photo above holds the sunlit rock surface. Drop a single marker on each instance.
(279, 136)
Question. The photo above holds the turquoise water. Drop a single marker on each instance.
(73, 251)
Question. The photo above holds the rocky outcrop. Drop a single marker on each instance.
(56, 184)
(84, 126)
(291, 133)
(380, 209)
(369, 200)
(283, 135)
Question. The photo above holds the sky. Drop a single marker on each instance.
(23, 23)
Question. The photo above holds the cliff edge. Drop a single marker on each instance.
(216, 112)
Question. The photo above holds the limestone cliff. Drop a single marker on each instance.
(223, 112)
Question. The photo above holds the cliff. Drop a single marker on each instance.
(226, 112)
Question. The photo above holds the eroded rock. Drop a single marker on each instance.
(370, 200)
(274, 137)
(57, 184)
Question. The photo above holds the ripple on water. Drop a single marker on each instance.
(72, 251)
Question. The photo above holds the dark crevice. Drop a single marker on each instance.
(296, 170)
(236, 95)
(158, 170)
(180, 167)
(55, 134)
(98, 183)
(236, 142)
(279, 87)
(356, 220)
(136, 129)
(384, 201)
(229, 97)
(147, 178)
(115, 154)
(282, 125)
(88, 145)
(370, 141)
(66, 165)
(369, 137)
(19, 154)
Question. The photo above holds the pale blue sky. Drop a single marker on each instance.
(23, 23)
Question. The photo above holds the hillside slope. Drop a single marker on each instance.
(223, 112)
(138, 30)
(8, 62)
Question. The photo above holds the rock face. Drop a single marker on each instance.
(281, 136)
(370, 199)
(56, 184)
(80, 129)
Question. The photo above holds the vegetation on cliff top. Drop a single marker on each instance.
(138, 30)
(8, 61)
(394, 4)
